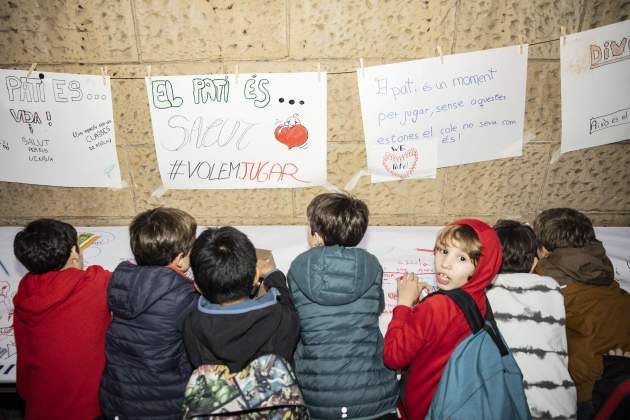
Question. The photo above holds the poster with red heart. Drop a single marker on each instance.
(443, 111)
(227, 131)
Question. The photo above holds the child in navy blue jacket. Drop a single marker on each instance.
(147, 368)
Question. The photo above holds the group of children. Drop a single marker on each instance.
(90, 343)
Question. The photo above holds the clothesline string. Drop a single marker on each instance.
(337, 72)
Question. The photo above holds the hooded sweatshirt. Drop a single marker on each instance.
(234, 335)
(598, 310)
(59, 323)
(147, 368)
(422, 338)
(338, 294)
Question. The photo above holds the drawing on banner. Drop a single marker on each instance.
(424, 114)
(104, 247)
(291, 132)
(7, 341)
(397, 262)
(4, 269)
(6, 310)
(57, 126)
(208, 135)
(594, 67)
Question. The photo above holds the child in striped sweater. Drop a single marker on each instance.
(529, 310)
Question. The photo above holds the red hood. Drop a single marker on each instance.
(491, 256)
(40, 293)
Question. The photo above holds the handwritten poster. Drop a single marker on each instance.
(264, 130)
(594, 67)
(57, 129)
(471, 105)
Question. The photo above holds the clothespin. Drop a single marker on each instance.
(149, 72)
(555, 155)
(439, 51)
(31, 70)
(362, 67)
(236, 74)
(563, 35)
(520, 44)
(319, 71)
(104, 74)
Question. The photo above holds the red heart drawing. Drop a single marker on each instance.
(401, 164)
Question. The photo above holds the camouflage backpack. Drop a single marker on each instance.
(264, 389)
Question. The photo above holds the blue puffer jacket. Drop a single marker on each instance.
(338, 295)
(147, 367)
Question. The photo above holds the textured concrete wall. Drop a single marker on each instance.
(205, 36)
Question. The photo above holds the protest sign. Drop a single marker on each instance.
(594, 67)
(264, 130)
(465, 107)
(57, 129)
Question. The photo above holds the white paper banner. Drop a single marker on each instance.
(399, 249)
(57, 129)
(594, 67)
(471, 104)
(264, 130)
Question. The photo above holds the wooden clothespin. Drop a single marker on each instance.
(236, 74)
(563, 35)
(319, 71)
(362, 67)
(104, 74)
(31, 70)
(439, 51)
(149, 72)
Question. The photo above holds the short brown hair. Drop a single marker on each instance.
(466, 238)
(159, 235)
(563, 227)
(339, 219)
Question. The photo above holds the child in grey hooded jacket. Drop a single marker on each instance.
(337, 291)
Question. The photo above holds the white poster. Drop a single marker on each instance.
(264, 130)
(472, 105)
(594, 67)
(57, 129)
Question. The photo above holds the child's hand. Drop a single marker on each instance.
(409, 289)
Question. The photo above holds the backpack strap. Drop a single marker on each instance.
(473, 316)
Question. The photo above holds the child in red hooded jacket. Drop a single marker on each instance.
(60, 320)
(422, 337)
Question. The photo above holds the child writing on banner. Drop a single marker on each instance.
(597, 309)
(337, 290)
(60, 320)
(147, 368)
(529, 310)
(422, 337)
(226, 327)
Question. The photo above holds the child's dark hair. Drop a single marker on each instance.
(519, 246)
(339, 219)
(563, 228)
(223, 261)
(45, 245)
(159, 235)
(466, 238)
